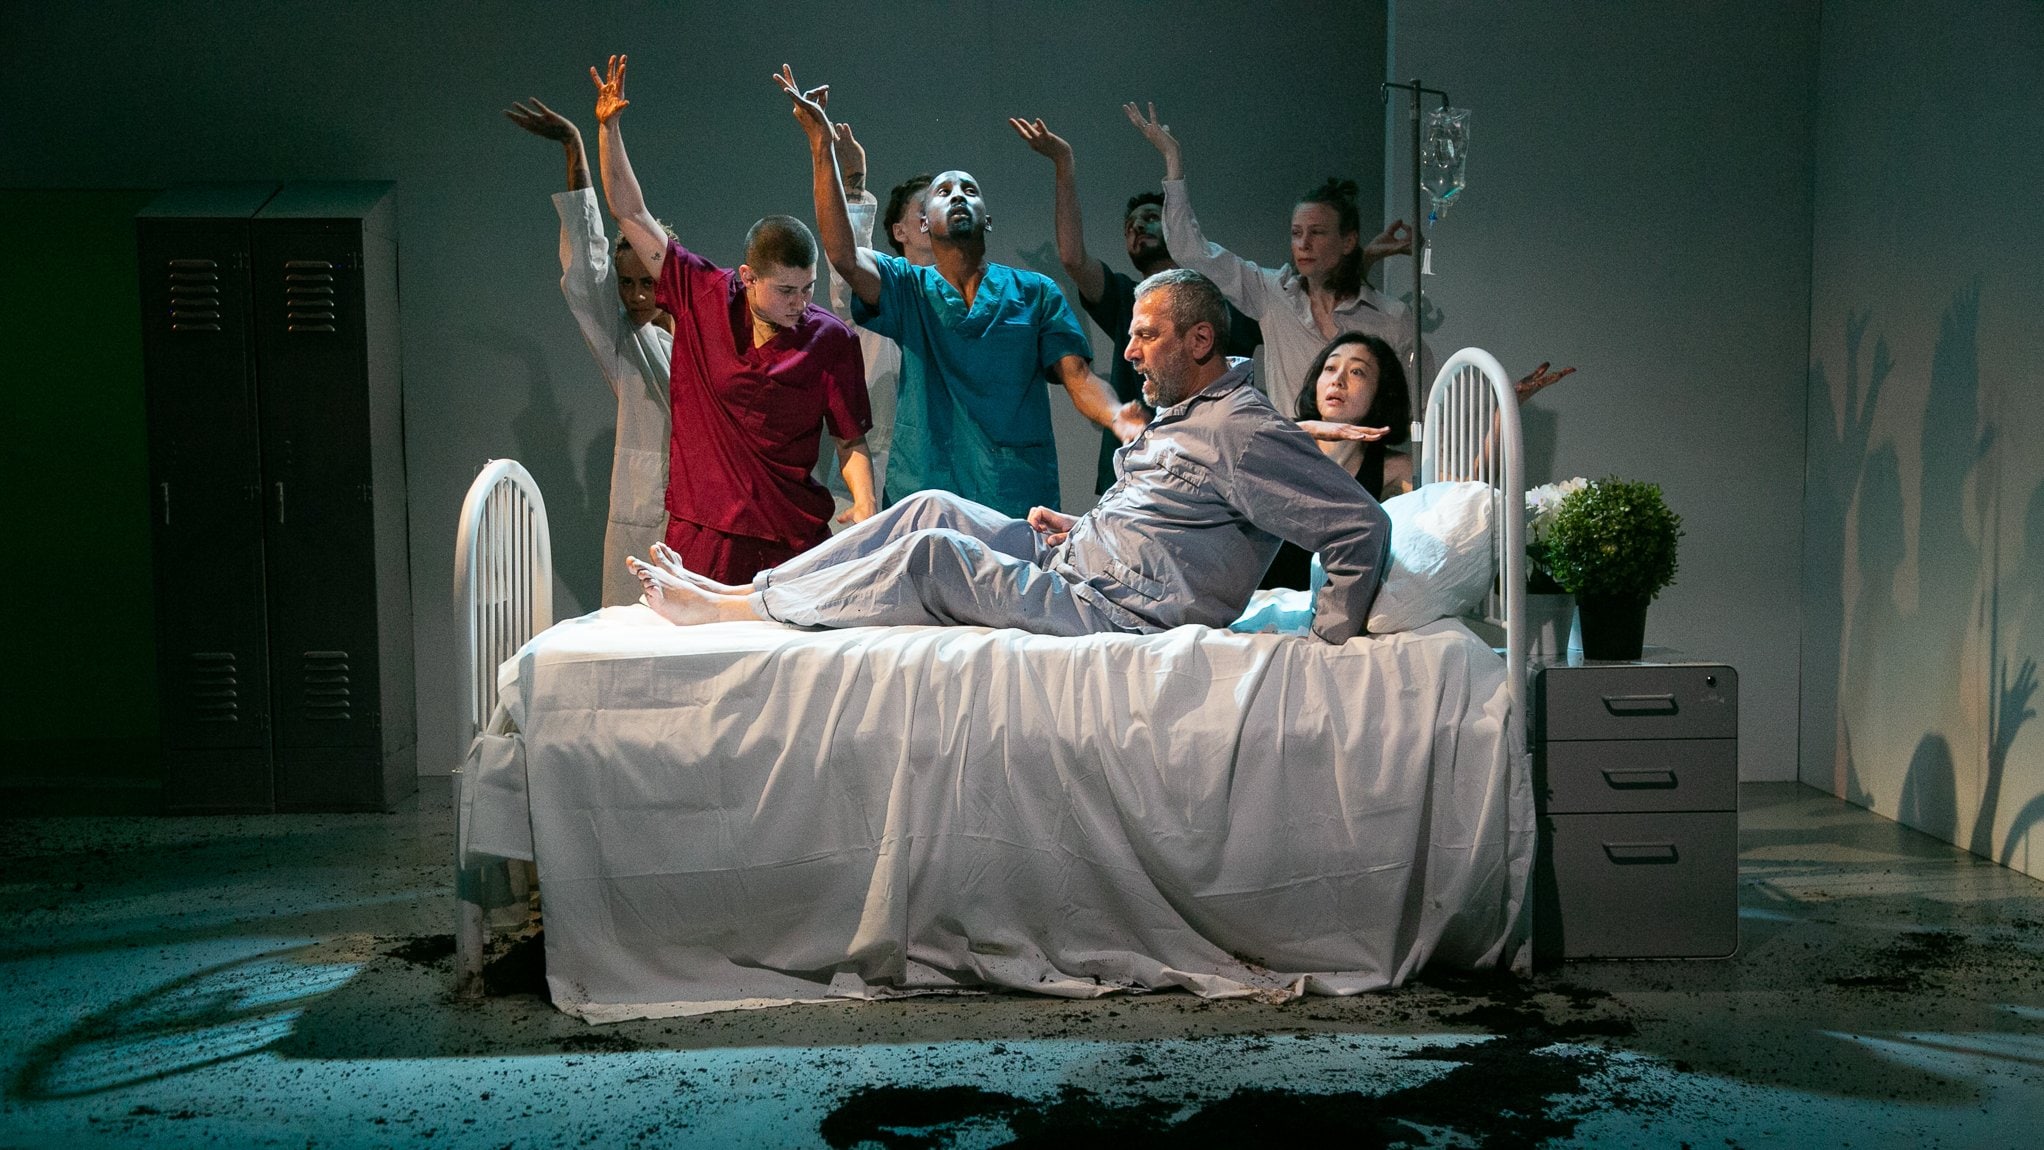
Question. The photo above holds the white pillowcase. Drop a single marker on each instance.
(1441, 562)
(1441, 565)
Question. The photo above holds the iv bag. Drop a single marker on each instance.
(1444, 156)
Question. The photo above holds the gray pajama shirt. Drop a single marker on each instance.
(1202, 498)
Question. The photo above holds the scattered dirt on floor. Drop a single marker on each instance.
(519, 968)
(1917, 961)
(1529, 1083)
(422, 950)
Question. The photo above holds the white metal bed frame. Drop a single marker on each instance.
(503, 582)
(503, 596)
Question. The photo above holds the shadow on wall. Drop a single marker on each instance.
(542, 436)
(1896, 599)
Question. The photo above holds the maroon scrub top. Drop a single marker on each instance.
(746, 419)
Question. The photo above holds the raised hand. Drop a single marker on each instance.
(542, 121)
(1042, 140)
(851, 155)
(1394, 240)
(808, 107)
(610, 90)
(1538, 380)
(1160, 137)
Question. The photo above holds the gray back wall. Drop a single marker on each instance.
(134, 95)
(1639, 206)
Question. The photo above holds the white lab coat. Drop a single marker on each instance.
(634, 361)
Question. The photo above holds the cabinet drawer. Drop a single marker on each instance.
(1644, 886)
(1641, 775)
(1689, 701)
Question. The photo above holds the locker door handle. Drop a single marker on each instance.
(1637, 854)
(166, 503)
(1634, 780)
(1640, 704)
(280, 501)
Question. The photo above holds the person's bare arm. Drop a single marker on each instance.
(620, 185)
(1071, 228)
(1096, 400)
(548, 124)
(855, 464)
(833, 218)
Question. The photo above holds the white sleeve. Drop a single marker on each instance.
(1246, 285)
(864, 210)
(589, 281)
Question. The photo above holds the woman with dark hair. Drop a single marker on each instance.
(1356, 379)
(1319, 294)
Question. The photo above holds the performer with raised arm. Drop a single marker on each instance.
(978, 340)
(758, 370)
(1109, 296)
(611, 299)
(1206, 491)
(1318, 295)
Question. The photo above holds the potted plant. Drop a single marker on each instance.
(1612, 545)
(1550, 610)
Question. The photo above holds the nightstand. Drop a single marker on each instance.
(1636, 781)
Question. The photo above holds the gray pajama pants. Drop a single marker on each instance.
(932, 558)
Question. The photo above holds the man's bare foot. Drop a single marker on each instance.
(669, 560)
(684, 604)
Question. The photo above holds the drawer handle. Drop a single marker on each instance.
(1638, 854)
(1640, 704)
(1640, 780)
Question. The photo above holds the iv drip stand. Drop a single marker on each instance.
(1418, 93)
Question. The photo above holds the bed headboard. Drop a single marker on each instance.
(503, 579)
(1472, 432)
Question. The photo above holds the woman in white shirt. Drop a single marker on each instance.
(1319, 294)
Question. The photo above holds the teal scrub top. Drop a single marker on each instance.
(972, 413)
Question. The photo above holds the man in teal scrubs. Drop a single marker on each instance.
(978, 341)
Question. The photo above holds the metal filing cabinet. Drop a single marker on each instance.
(1636, 773)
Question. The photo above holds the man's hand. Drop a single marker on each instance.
(857, 513)
(1042, 140)
(1328, 431)
(1540, 379)
(543, 121)
(1129, 420)
(1395, 240)
(808, 107)
(1054, 526)
(610, 90)
(851, 155)
(1160, 137)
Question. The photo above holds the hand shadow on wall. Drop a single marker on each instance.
(1833, 497)
(542, 434)
(1956, 545)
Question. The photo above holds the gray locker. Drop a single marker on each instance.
(320, 586)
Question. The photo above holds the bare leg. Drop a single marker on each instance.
(683, 603)
(669, 560)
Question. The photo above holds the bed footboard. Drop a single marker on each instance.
(503, 595)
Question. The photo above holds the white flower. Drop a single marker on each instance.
(1543, 502)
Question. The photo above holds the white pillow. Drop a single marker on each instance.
(1440, 556)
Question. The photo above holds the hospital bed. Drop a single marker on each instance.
(745, 814)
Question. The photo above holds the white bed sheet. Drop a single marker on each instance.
(745, 814)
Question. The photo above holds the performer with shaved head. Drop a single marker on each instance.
(758, 371)
(978, 341)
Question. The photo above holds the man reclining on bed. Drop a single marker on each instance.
(1202, 498)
